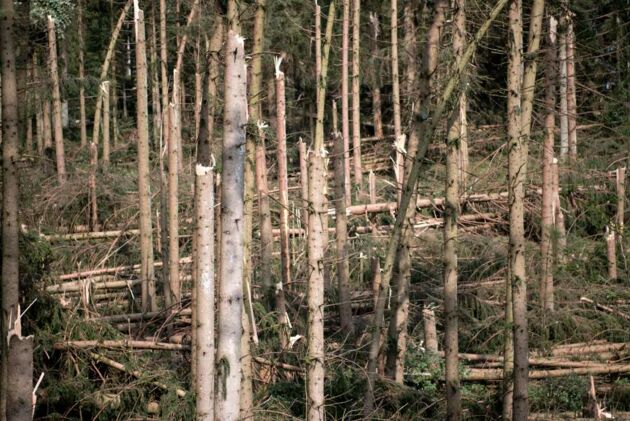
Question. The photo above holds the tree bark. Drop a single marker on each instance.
(174, 143)
(376, 78)
(430, 331)
(620, 183)
(546, 278)
(564, 106)
(316, 246)
(56, 100)
(304, 182)
(399, 140)
(611, 251)
(228, 381)
(345, 111)
(82, 115)
(516, 248)
(341, 236)
(571, 93)
(560, 240)
(356, 88)
(106, 141)
(20, 379)
(93, 208)
(149, 301)
(10, 199)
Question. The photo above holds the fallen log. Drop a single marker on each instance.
(117, 269)
(591, 349)
(120, 344)
(492, 374)
(133, 317)
(78, 285)
(605, 308)
(80, 236)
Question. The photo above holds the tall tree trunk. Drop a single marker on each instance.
(408, 191)
(546, 250)
(516, 248)
(304, 183)
(564, 106)
(174, 144)
(10, 197)
(317, 224)
(356, 89)
(283, 183)
(205, 279)
(106, 142)
(82, 115)
(149, 301)
(571, 93)
(399, 140)
(345, 111)
(560, 240)
(376, 78)
(451, 213)
(341, 236)
(620, 183)
(56, 100)
(400, 304)
(155, 88)
(266, 236)
(48, 146)
(93, 208)
(198, 85)
(231, 290)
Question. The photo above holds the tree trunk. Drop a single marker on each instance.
(174, 143)
(341, 235)
(571, 94)
(231, 291)
(93, 208)
(82, 115)
(398, 324)
(376, 78)
(399, 140)
(283, 184)
(10, 200)
(546, 278)
(560, 240)
(149, 301)
(451, 213)
(516, 248)
(430, 331)
(304, 182)
(204, 282)
(20, 379)
(198, 85)
(564, 110)
(106, 142)
(611, 249)
(56, 100)
(155, 91)
(620, 184)
(266, 234)
(316, 246)
(345, 111)
(356, 88)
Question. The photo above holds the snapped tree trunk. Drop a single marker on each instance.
(144, 174)
(516, 248)
(227, 393)
(316, 246)
(56, 100)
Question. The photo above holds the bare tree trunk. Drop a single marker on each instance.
(516, 177)
(106, 142)
(174, 143)
(564, 106)
(304, 182)
(611, 249)
(411, 53)
(82, 115)
(10, 200)
(155, 94)
(93, 208)
(39, 112)
(56, 100)
(356, 99)
(166, 130)
(20, 379)
(408, 192)
(341, 236)
(546, 279)
(430, 331)
(399, 140)
(266, 235)
(376, 78)
(345, 112)
(198, 85)
(317, 224)
(620, 183)
(47, 129)
(228, 380)
(571, 94)
(283, 184)
(451, 213)
(398, 323)
(560, 240)
(149, 301)
(204, 282)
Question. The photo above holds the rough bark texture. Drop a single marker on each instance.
(106, 133)
(20, 380)
(82, 115)
(304, 182)
(398, 135)
(356, 99)
(231, 290)
(144, 174)
(345, 111)
(430, 330)
(376, 78)
(564, 107)
(10, 194)
(620, 184)
(546, 250)
(56, 101)
(341, 237)
(316, 246)
(611, 250)
(93, 208)
(174, 143)
(516, 248)
(571, 92)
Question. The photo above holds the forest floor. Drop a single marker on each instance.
(83, 383)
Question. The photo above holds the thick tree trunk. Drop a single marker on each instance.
(546, 249)
(228, 381)
(341, 236)
(345, 111)
(174, 143)
(82, 115)
(149, 301)
(430, 330)
(56, 100)
(20, 379)
(317, 225)
(356, 88)
(283, 183)
(516, 249)
(376, 78)
(451, 213)
(205, 279)
(10, 200)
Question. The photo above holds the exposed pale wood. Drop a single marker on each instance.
(120, 344)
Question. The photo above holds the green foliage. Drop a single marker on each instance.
(423, 369)
(62, 12)
(558, 395)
